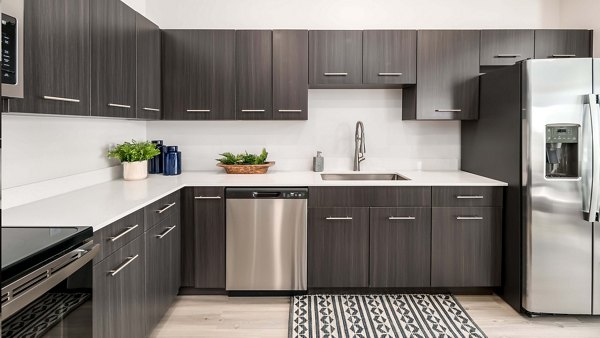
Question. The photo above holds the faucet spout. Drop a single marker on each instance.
(359, 145)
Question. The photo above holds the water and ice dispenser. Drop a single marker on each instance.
(562, 151)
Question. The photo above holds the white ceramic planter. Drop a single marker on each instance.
(133, 171)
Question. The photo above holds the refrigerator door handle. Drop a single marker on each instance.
(595, 123)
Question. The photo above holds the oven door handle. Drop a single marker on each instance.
(45, 278)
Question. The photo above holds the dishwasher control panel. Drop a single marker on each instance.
(266, 193)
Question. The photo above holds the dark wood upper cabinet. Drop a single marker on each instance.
(389, 57)
(56, 58)
(448, 77)
(335, 58)
(148, 103)
(290, 75)
(506, 47)
(198, 74)
(563, 43)
(338, 247)
(400, 250)
(113, 59)
(254, 66)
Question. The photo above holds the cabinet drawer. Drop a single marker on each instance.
(113, 236)
(467, 196)
(466, 247)
(369, 197)
(161, 209)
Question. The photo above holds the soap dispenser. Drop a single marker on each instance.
(318, 162)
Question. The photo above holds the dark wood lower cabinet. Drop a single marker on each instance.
(400, 247)
(119, 299)
(338, 247)
(466, 247)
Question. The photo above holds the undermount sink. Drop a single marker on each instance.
(364, 177)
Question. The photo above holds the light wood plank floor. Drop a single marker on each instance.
(220, 316)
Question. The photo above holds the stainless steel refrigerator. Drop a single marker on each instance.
(539, 130)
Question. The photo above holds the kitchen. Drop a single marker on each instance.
(205, 253)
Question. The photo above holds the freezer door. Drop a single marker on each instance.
(557, 240)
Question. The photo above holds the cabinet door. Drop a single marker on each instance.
(389, 57)
(562, 43)
(113, 59)
(290, 75)
(119, 297)
(203, 238)
(57, 58)
(162, 272)
(466, 247)
(505, 47)
(448, 76)
(198, 74)
(254, 92)
(400, 247)
(148, 69)
(335, 58)
(338, 247)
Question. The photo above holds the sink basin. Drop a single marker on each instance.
(364, 177)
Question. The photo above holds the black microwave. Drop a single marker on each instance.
(12, 48)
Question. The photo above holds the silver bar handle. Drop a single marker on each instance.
(448, 110)
(290, 110)
(469, 218)
(198, 110)
(253, 110)
(160, 211)
(58, 98)
(129, 260)
(563, 55)
(123, 233)
(389, 74)
(338, 218)
(169, 229)
(408, 218)
(116, 105)
(469, 197)
(335, 74)
(595, 198)
(150, 109)
(508, 55)
(207, 197)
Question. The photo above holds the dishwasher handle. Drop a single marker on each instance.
(265, 194)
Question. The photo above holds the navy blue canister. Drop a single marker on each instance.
(171, 161)
(155, 164)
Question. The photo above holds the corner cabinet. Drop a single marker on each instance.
(113, 34)
(148, 100)
(563, 43)
(448, 77)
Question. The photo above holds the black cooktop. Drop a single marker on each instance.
(26, 248)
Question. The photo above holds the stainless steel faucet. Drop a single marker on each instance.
(359, 145)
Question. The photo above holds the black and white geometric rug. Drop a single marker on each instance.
(380, 316)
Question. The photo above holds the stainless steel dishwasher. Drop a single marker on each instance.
(266, 239)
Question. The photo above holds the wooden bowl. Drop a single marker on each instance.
(246, 168)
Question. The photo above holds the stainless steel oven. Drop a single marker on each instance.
(12, 48)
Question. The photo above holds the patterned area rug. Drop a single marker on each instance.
(380, 316)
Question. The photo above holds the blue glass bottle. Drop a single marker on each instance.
(155, 164)
(171, 161)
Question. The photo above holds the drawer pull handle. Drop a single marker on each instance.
(563, 55)
(198, 110)
(469, 197)
(448, 110)
(389, 74)
(150, 109)
(508, 55)
(165, 208)
(253, 110)
(122, 266)
(290, 110)
(469, 218)
(57, 98)
(395, 218)
(125, 232)
(169, 229)
(335, 74)
(207, 197)
(116, 105)
(338, 218)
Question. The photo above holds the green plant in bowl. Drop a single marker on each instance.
(244, 158)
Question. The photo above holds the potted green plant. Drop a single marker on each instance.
(134, 156)
(245, 163)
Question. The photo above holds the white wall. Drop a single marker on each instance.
(138, 5)
(582, 14)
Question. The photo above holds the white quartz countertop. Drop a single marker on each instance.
(102, 204)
